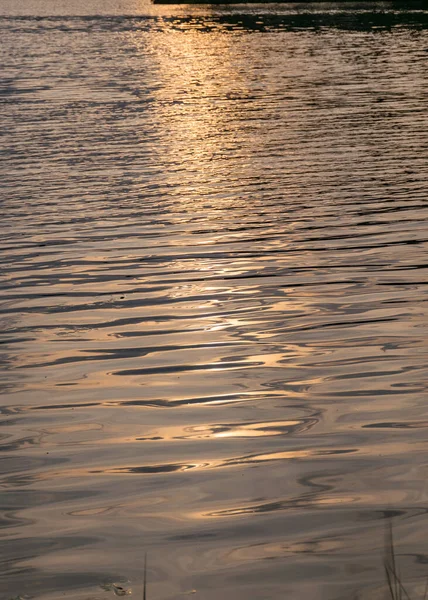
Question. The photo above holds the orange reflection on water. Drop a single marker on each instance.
(229, 430)
(202, 108)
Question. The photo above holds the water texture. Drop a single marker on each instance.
(213, 299)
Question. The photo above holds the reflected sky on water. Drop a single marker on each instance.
(213, 299)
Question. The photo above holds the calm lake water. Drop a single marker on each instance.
(213, 299)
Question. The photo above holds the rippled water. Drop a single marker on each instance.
(213, 299)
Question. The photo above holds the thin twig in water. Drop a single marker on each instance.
(426, 590)
(145, 578)
(395, 585)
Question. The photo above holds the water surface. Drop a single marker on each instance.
(213, 299)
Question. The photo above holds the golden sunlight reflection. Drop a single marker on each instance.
(203, 108)
(258, 429)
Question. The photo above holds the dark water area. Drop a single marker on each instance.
(213, 307)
